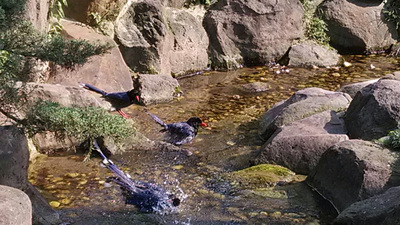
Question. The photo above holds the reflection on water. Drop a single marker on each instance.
(231, 107)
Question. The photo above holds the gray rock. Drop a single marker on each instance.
(309, 54)
(175, 3)
(251, 32)
(300, 105)
(374, 110)
(108, 71)
(15, 207)
(157, 88)
(160, 40)
(351, 171)
(189, 51)
(379, 209)
(352, 89)
(255, 87)
(14, 162)
(65, 95)
(392, 76)
(299, 145)
(356, 26)
(14, 158)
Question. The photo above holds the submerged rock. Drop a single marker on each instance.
(263, 175)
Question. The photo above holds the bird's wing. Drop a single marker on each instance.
(158, 120)
(180, 133)
(93, 88)
(121, 96)
(122, 178)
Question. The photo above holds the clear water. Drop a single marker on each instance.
(228, 144)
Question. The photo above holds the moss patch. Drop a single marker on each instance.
(263, 175)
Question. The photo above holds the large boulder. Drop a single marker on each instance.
(189, 52)
(108, 72)
(356, 26)
(299, 145)
(14, 162)
(156, 89)
(374, 110)
(379, 209)
(65, 95)
(307, 54)
(15, 207)
(351, 171)
(251, 32)
(160, 40)
(300, 105)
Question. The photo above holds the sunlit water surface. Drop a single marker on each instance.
(76, 188)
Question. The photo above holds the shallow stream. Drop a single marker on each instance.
(231, 105)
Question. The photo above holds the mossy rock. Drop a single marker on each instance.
(263, 175)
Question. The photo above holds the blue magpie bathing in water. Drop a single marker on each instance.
(148, 197)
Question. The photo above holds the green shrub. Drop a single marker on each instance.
(85, 123)
(315, 27)
(391, 13)
(394, 139)
(20, 45)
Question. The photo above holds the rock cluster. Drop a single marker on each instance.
(335, 149)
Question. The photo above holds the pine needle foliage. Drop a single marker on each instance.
(82, 123)
(19, 43)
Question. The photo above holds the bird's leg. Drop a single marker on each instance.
(126, 116)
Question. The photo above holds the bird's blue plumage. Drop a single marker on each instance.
(148, 197)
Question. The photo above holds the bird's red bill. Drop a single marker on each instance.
(137, 98)
(203, 124)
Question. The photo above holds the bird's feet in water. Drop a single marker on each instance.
(126, 116)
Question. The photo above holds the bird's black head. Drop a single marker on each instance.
(134, 96)
(174, 200)
(196, 122)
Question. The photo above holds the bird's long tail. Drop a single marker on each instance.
(93, 88)
(123, 179)
(158, 120)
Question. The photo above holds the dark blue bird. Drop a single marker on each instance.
(148, 197)
(118, 100)
(182, 132)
